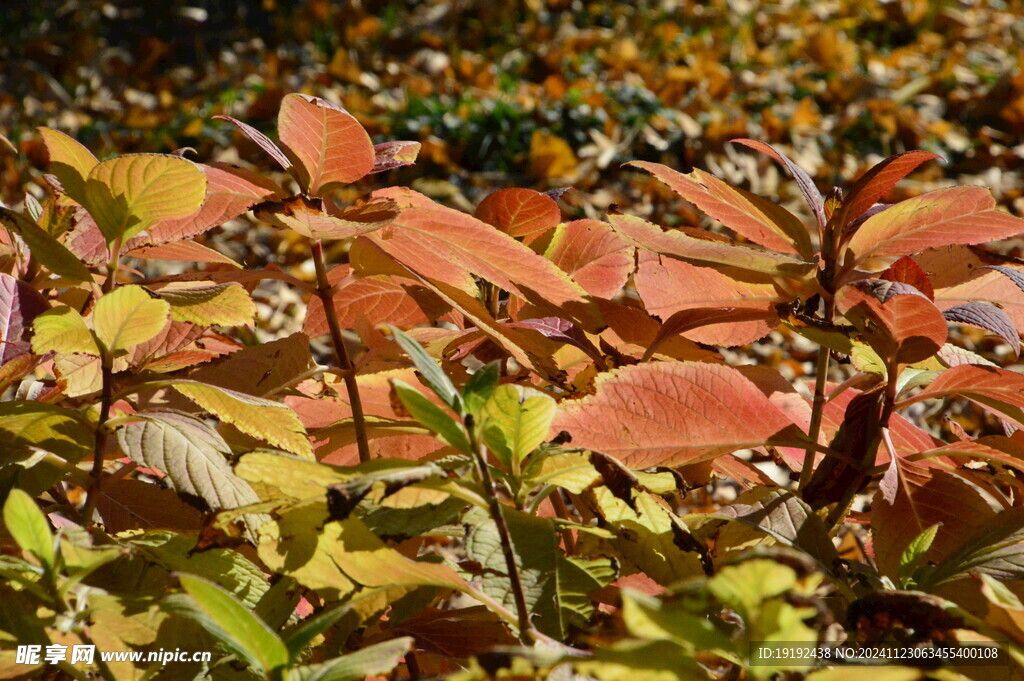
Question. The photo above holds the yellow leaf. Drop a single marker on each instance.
(224, 304)
(62, 330)
(69, 161)
(551, 156)
(127, 316)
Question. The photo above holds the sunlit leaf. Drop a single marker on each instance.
(61, 329)
(518, 420)
(128, 316)
(522, 213)
(69, 161)
(29, 527)
(221, 304)
(593, 255)
(54, 255)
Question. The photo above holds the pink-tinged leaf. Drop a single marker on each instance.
(996, 390)
(391, 155)
(330, 145)
(261, 140)
(895, 319)
(521, 213)
(86, 241)
(906, 271)
(317, 218)
(19, 305)
(806, 184)
(876, 183)
(695, 318)
(957, 215)
(69, 161)
(593, 255)
(440, 237)
(404, 197)
(986, 316)
(631, 331)
(707, 251)
(230, 192)
(672, 414)
(181, 251)
(749, 215)
(910, 499)
(667, 286)
(380, 300)
(560, 330)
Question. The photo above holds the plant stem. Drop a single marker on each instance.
(818, 406)
(495, 509)
(100, 440)
(323, 291)
(563, 512)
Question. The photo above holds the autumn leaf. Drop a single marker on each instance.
(521, 213)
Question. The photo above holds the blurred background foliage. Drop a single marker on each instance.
(536, 93)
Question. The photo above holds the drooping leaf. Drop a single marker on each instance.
(260, 369)
(128, 316)
(69, 161)
(61, 329)
(329, 143)
(694, 318)
(231, 623)
(20, 304)
(191, 454)
(129, 194)
(873, 185)
(391, 155)
(221, 304)
(24, 425)
(671, 414)
(962, 274)
(593, 255)
(910, 499)
(988, 317)
(995, 389)
(181, 251)
(264, 419)
(54, 255)
(957, 215)
(29, 527)
(761, 221)
(317, 218)
(518, 421)
(669, 287)
(679, 244)
(521, 213)
(806, 184)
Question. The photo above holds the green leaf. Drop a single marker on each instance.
(916, 550)
(229, 621)
(431, 372)
(264, 419)
(61, 329)
(24, 425)
(299, 637)
(29, 527)
(480, 386)
(642, 661)
(518, 420)
(47, 250)
(222, 304)
(192, 454)
(431, 415)
(127, 316)
(129, 194)
(652, 618)
(376, 659)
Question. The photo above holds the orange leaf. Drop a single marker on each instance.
(671, 414)
(316, 218)
(900, 324)
(520, 212)
(378, 299)
(330, 145)
(877, 182)
(750, 216)
(593, 255)
(957, 215)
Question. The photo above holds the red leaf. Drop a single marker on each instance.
(906, 271)
(671, 414)
(957, 215)
(959, 275)
(520, 212)
(695, 318)
(749, 215)
(593, 255)
(899, 322)
(997, 390)
(330, 145)
(378, 299)
(877, 182)
(806, 184)
(391, 155)
(317, 218)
